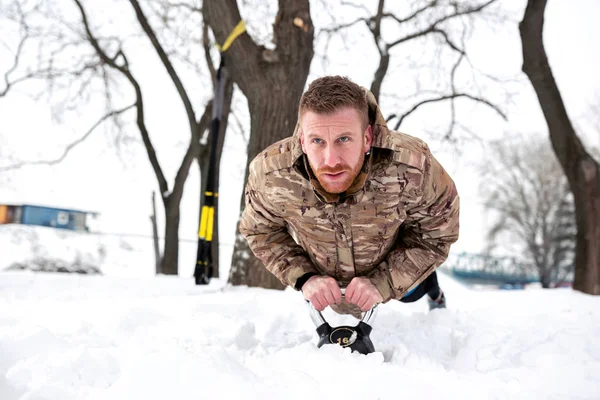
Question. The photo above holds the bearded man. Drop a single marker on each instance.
(346, 202)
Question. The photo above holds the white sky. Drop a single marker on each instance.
(119, 185)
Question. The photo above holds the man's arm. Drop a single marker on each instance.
(268, 238)
(424, 242)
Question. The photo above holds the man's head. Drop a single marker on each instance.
(334, 131)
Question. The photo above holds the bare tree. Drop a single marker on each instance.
(442, 28)
(22, 29)
(582, 171)
(102, 64)
(523, 183)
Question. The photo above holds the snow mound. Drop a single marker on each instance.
(66, 336)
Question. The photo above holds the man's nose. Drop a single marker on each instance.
(332, 158)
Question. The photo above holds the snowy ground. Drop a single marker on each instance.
(90, 337)
(123, 256)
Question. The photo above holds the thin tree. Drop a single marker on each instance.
(523, 184)
(442, 28)
(102, 64)
(582, 171)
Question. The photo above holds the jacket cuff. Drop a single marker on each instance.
(302, 280)
(382, 282)
(296, 272)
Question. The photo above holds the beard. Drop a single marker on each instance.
(339, 184)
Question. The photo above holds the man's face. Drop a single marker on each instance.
(335, 145)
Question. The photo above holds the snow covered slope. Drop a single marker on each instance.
(126, 255)
(90, 337)
(112, 255)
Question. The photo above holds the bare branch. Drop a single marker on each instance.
(374, 19)
(448, 97)
(340, 27)
(71, 146)
(111, 61)
(206, 45)
(449, 42)
(166, 62)
(140, 120)
(453, 84)
(424, 32)
(384, 56)
(377, 27)
(192, 152)
(179, 27)
(412, 16)
(24, 38)
(432, 28)
(357, 6)
(466, 11)
(7, 82)
(187, 6)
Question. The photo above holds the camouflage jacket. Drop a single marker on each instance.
(394, 225)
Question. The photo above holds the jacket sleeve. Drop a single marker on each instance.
(424, 240)
(268, 238)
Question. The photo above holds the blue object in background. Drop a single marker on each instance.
(61, 218)
(511, 286)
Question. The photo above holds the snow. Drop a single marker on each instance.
(129, 256)
(130, 335)
(67, 336)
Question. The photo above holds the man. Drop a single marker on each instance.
(346, 202)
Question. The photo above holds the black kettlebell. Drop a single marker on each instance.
(355, 337)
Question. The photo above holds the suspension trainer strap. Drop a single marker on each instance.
(203, 271)
(237, 31)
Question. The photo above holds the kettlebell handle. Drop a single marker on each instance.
(317, 317)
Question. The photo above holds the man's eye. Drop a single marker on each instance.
(317, 141)
(344, 139)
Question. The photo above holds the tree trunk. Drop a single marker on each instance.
(545, 276)
(157, 259)
(271, 123)
(582, 171)
(170, 258)
(384, 63)
(273, 82)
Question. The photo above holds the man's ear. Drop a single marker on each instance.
(368, 138)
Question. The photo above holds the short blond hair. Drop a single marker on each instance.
(328, 94)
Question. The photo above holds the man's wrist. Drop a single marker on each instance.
(382, 283)
(302, 280)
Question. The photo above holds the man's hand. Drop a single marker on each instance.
(322, 291)
(363, 293)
